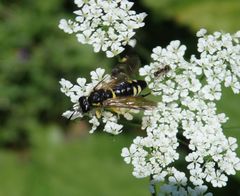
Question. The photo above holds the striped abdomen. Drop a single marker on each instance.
(129, 88)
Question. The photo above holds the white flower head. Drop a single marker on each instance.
(187, 91)
(107, 25)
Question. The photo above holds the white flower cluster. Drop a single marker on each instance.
(219, 63)
(151, 154)
(74, 92)
(107, 25)
(177, 185)
(187, 90)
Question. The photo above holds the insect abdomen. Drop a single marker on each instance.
(130, 88)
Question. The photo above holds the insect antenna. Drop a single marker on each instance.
(100, 82)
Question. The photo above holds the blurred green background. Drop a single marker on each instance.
(40, 153)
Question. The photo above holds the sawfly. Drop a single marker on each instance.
(116, 94)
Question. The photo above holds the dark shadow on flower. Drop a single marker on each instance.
(232, 187)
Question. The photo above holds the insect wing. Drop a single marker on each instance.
(127, 66)
(138, 103)
(120, 73)
(112, 82)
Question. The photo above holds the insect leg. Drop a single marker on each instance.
(146, 94)
(98, 113)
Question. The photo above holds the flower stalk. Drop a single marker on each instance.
(153, 188)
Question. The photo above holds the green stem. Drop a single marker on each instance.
(153, 193)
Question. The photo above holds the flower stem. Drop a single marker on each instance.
(153, 189)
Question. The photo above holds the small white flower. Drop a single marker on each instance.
(178, 178)
(66, 87)
(201, 32)
(66, 26)
(195, 160)
(132, 42)
(219, 180)
(98, 74)
(113, 128)
(79, 3)
(81, 82)
(95, 123)
(111, 125)
(85, 37)
(129, 154)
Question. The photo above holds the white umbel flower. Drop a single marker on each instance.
(107, 25)
(187, 91)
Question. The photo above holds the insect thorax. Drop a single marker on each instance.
(99, 96)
